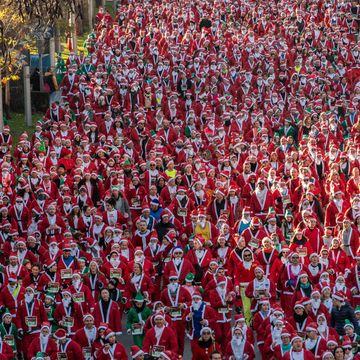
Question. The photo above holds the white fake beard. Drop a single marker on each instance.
(29, 297)
(173, 287)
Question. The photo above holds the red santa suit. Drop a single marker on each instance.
(246, 348)
(116, 351)
(304, 354)
(34, 309)
(221, 301)
(181, 269)
(71, 313)
(72, 350)
(287, 284)
(50, 348)
(260, 202)
(164, 337)
(11, 299)
(173, 300)
(112, 317)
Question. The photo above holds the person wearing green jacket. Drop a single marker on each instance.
(8, 332)
(136, 319)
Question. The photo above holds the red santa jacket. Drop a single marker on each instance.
(181, 270)
(112, 318)
(72, 350)
(50, 349)
(116, 351)
(35, 310)
(247, 350)
(167, 339)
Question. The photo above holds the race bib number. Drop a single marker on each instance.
(157, 350)
(136, 329)
(68, 321)
(66, 274)
(53, 287)
(78, 297)
(9, 339)
(182, 212)
(31, 321)
(115, 273)
(175, 311)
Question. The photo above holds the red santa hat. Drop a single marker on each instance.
(239, 317)
(298, 304)
(199, 238)
(170, 236)
(135, 351)
(159, 315)
(339, 295)
(173, 275)
(167, 355)
(60, 334)
(87, 315)
(221, 280)
(311, 327)
(12, 277)
(197, 294)
(295, 337)
(109, 333)
(45, 325)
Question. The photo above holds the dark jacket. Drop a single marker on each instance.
(339, 315)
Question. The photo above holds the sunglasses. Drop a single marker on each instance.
(206, 332)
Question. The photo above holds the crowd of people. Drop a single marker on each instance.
(199, 179)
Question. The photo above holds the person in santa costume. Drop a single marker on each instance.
(176, 299)
(136, 353)
(200, 257)
(288, 281)
(285, 345)
(30, 315)
(43, 343)
(259, 288)
(239, 347)
(297, 350)
(67, 346)
(86, 335)
(6, 351)
(12, 294)
(349, 237)
(313, 342)
(198, 315)
(159, 338)
(179, 264)
(202, 348)
(112, 349)
(107, 311)
(221, 300)
(261, 200)
(68, 313)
